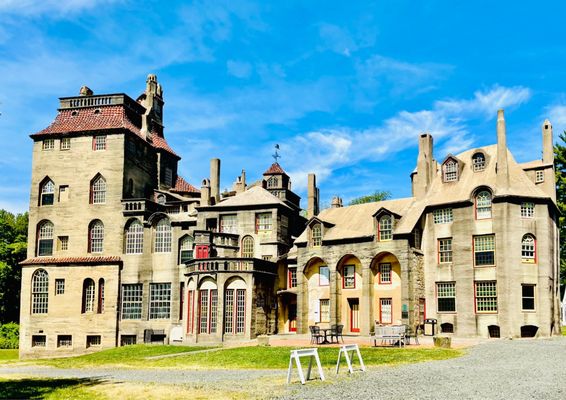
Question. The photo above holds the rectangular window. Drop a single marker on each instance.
(324, 310)
(528, 294)
(539, 177)
(48, 144)
(99, 143)
(349, 277)
(64, 341)
(486, 296)
(59, 286)
(263, 222)
(527, 210)
(93, 340)
(445, 250)
(168, 176)
(65, 144)
(484, 250)
(159, 300)
(323, 275)
(203, 311)
(292, 277)
(127, 340)
(385, 273)
(63, 193)
(229, 311)
(446, 296)
(63, 243)
(132, 301)
(38, 341)
(443, 216)
(228, 223)
(208, 300)
(385, 311)
(240, 310)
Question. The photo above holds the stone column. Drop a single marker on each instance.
(366, 300)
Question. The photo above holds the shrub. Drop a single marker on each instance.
(9, 336)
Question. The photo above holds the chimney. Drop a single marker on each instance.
(240, 184)
(547, 143)
(215, 180)
(312, 200)
(85, 91)
(502, 165)
(425, 166)
(152, 100)
(205, 193)
(336, 202)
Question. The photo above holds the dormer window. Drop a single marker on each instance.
(272, 182)
(316, 235)
(385, 231)
(450, 171)
(478, 162)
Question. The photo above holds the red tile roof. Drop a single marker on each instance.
(274, 169)
(109, 117)
(182, 186)
(85, 119)
(72, 260)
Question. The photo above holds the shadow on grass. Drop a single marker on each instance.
(38, 388)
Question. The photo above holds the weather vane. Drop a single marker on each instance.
(276, 155)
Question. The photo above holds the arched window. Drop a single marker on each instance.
(248, 247)
(450, 171)
(483, 205)
(528, 249)
(385, 228)
(96, 237)
(88, 295)
(478, 162)
(47, 192)
(316, 235)
(186, 249)
(45, 238)
(162, 236)
(134, 238)
(272, 182)
(100, 307)
(98, 190)
(39, 292)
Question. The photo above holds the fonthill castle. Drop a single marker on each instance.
(123, 250)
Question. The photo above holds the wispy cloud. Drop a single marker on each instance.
(239, 69)
(327, 150)
(557, 115)
(53, 8)
(346, 41)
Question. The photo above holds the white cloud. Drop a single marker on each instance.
(239, 69)
(557, 116)
(327, 150)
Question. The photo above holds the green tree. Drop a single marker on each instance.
(13, 247)
(560, 163)
(379, 195)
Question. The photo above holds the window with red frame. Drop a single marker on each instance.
(385, 273)
(292, 277)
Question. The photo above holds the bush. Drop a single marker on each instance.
(9, 336)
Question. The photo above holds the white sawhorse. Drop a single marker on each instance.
(349, 357)
(296, 355)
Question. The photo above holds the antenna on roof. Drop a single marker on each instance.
(276, 155)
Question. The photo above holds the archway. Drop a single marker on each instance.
(317, 292)
(386, 289)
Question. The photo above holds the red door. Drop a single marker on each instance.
(201, 251)
(292, 317)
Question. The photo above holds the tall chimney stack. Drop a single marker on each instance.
(336, 202)
(215, 180)
(312, 201)
(547, 143)
(205, 193)
(502, 164)
(425, 166)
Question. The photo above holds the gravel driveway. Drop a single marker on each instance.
(499, 369)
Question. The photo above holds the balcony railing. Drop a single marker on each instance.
(140, 207)
(221, 264)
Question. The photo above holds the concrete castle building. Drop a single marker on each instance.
(123, 250)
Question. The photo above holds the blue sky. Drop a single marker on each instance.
(343, 87)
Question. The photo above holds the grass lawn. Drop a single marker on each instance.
(239, 358)
(564, 330)
(8, 355)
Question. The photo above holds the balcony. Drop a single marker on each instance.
(217, 238)
(222, 264)
(140, 207)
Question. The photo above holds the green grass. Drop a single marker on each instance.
(9, 355)
(564, 330)
(32, 388)
(240, 357)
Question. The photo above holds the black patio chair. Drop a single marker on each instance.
(336, 332)
(316, 336)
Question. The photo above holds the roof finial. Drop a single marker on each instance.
(276, 155)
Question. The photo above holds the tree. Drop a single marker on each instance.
(379, 195)
(13, 248)
(560, 163)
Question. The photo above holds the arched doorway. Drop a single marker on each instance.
(386, 289)
(349, 290)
